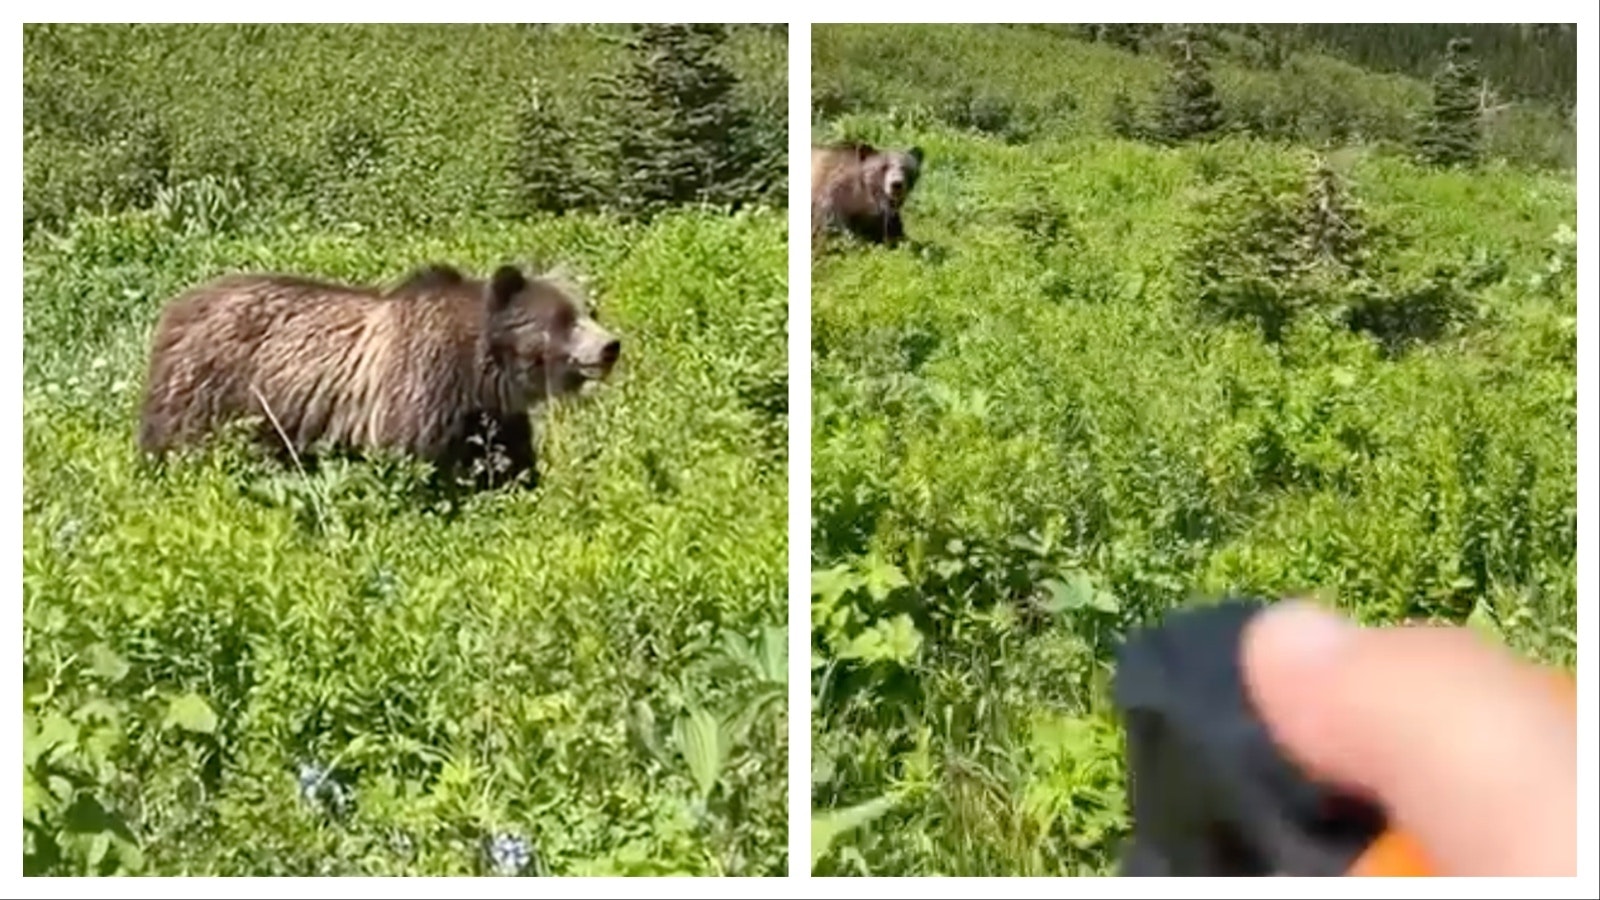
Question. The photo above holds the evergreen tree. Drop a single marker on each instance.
(677, 132)
(1452, 133)
(1123, 118)
(1125, 37)
(547, 174)
(1275, 49)
(1333, 236)
(1129, 37)
(1272, 252)
(1189, 108)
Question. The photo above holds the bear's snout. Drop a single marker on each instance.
(594, 350)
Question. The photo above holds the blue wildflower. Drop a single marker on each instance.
(311, 779)
(509, 854)
(319, 788)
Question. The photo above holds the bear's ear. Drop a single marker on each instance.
(916, 154)
(506, 283)
(865, 151)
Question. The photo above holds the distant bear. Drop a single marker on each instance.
(861, 189)
(440, 366)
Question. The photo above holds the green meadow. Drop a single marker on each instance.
(235, 669)
(1111, 374)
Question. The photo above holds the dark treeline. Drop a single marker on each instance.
(1536, 62)
(1527, 62)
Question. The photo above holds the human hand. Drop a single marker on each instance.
(1470, 750)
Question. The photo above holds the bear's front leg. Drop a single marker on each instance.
(894, 230)
(513, 449)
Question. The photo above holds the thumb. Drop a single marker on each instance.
(1469, 749)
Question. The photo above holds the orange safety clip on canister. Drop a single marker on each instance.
(1211, 793)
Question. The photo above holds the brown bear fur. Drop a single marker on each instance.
(431, 367)
(862, 190)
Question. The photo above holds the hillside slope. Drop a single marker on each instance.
(1022, 81)
(379, 125)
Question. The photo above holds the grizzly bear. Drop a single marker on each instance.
(440, 366)
(861, 190)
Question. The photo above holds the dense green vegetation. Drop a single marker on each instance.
(234, 669)
(1527, 61)
(1110, 375)
(1023, 82)
(380, 125)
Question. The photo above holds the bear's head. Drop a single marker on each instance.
(894, 173)
(544, 334)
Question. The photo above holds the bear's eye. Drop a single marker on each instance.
(564, 317)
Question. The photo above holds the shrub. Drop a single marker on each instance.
(966, 108)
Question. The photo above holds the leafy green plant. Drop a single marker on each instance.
(70, 818)
(828, 827)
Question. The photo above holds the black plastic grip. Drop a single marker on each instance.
(1211, 793)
